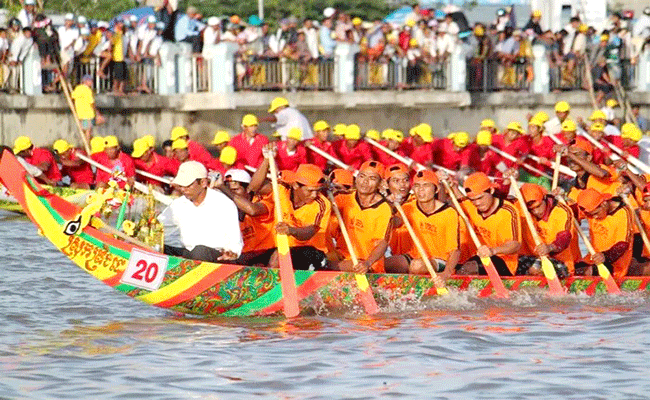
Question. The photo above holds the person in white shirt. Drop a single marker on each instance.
(206, 219)
(26, 14)
(82, 41)
(211, 36)
(285, 117)
(311, 34)
(68, 34)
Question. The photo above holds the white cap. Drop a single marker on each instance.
(328, 12)
(84, 31)
(102, 24)
(81, 19)
(151, 19)
(30, 2)
(188, 172)
(238, 175)
(69, 17)
(212, 21)
(133, 18)
(160, 25)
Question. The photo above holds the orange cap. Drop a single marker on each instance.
(287, 176)
(395, 169)
(533, 193)
(342, 177)
(309, 175)
(477, 183)
(426, 176)
(584, 145)
(646, 190)
(590, 199)
(376, 167)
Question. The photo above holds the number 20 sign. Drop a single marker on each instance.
(145, 270)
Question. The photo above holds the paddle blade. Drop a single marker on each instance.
(499, 290)
(365, 294)
(287, 278)
(554, 286)
(608, 279)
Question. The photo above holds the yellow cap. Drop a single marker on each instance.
(542, 116)
(22, 143)
(221, 137)
(150, 139)
(604, 37)
(479, 31)
(631, 131)
(413, 42)
(339, 129)
(461, 139)
(597, 114)
(562, 106)
(356, 21)
(295, 133)
(228, 155)
(488, 123)
(321, 125)
(373, 134)
(179, 132)
(249, 120)
(484, 138)
(611, 103)
(425, 132)
(353, 132)
(111, 141)
(515, 126)
(583, 28)
(410, 22)
(61, 146)
(568, 126)
(597, 126)
(396, 135)
(537, 13)
(96, 145)
(140, 146)
(278, 102)
(386, 133)
(179, 144)
(536, 122)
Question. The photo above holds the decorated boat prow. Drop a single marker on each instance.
(210, 289)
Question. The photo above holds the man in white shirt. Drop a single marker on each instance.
(26, 14)
(207, 220)
(68, 34)
(285, 117)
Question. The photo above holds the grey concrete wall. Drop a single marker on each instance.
(48, 118)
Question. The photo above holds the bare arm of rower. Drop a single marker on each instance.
(258, 178)
(452, 262)
(244, 204)
(638, 180)
(376, 253)
(510, 247)
(588, 166)
(301, 233)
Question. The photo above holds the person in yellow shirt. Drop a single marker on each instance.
(84, 104)
(119, 47)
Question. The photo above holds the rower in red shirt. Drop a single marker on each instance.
(352, 150)
(80, 173)
(457, 153)
(321, 141)
(512, 142)
(96, 147)
(630, 136)
(221, 139)
(601, 156)
(540, 145)
(117, 161)
(290, 153)
(38, 157)
(424, 146)
(249, 143)
(488, 159)
(392, 139)
(197, 150)
(147, 160)
(183, 153)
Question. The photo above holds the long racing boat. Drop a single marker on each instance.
(210, 289)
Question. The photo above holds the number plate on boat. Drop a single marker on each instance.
(145, 270)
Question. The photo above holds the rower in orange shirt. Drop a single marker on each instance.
(399, 187)
(353, 151)
(436, 224)
(79, 171)
(367, 217)
(554, 224)
(458, 154)
(321, 141)
(38, 157)
(578, 158)
(290, 152)
(611, 227)
(497, 224)
(147, 160)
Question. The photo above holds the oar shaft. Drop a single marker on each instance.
(514, 159)
(154, 177)
(328, 156)
(405, 160)
(555, 165)
(556, 171)
(344, 230)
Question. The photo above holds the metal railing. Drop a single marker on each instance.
(400, 74)
(201, 76)
(488, 75)
(284, 74)
(565, 77)
(11, 78)
(140, 75)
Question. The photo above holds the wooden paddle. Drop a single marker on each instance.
(556, 171)
(562, 168)
(525, 165)
(491, 270)
(637, 220)
(554, 286)
(287, 278)
(328, 157)
(440, 285)
(365, 291)
(154, 177)
(68, 97)
(404, 160)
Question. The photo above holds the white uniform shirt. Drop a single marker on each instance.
(214, 223)
(289, 118)
(26, 19)
(553, 126)
(210, 38)
(145, 36)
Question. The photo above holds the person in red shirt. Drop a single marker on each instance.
(249, 143)
(489, 162)
(38, 157)
(147, 160)
(513, 142)
(80, 173)
(117, 161)
(630, 136)
(490, 126)
(540, 145)
(458, 154)
(424, 146)
(352, 150)
(601, 156)
(290, 153)
(220, 141)
(197, 150)
(392, 139)
(321, 141)
(183, 153)
(96, 146)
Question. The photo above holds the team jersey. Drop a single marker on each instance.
(633, 150)
(604, 185)
(40, 155)
(366, 226)
(355, 156)
(316, 213)
(439, 232)
(317, 159)
(616, 227)
(80, 174)
(122, 163)
(504, 225)
(517, 148)
(159, 166)
(292, 161)
(400, 239)
(453, 159)
(424, 154)
(249, 152)
(489, 163)
(258, 231)
(542, 148)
